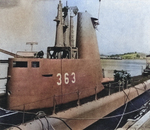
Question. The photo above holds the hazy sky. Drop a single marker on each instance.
(124, 24)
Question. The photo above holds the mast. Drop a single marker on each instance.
(65, 46)
(66, 26)
(71, 30)
(59, 27)
(73, 13)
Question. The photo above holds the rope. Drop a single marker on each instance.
(14, 112)
(139, 88)
(128, 97)
(41, 123)
(122, 116)
(10, 125)
(41, 114)
(62, 121)
(49, 124)
(142, 90)
(8, 114)
(108, 117)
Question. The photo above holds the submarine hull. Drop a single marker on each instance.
(84, 116)
(41, 83)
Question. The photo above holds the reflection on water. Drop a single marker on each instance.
(134, 67)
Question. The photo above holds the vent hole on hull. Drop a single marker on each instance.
(47, 75)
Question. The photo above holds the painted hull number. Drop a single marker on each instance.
(66, 78)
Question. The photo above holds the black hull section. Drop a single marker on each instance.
(111, 123)
(12, 118)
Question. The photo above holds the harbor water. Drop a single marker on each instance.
(134, 67)
(3, 74)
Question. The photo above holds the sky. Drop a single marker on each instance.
(124, 24)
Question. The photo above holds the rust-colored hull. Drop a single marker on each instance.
(41, 83)
(81, 117)
(55, 81)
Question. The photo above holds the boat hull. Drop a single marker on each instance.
(85, 116)
(50, 82)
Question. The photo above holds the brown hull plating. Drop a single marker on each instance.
(53, 82)
(71, 73)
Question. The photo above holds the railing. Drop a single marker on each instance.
(57, 100)
(116, 86)
(111, 88)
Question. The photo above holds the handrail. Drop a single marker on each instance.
(9, 53)
(54, 98)
(115, 85)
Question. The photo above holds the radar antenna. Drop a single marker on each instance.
(99, 9)
(31, 43)
(73, 12)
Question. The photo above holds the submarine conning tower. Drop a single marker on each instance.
(64, 76)
(86, 46)
(86, 37)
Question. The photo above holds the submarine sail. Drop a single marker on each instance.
(69, 73)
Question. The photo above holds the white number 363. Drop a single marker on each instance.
(66, 78)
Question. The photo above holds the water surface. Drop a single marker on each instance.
(134, 67)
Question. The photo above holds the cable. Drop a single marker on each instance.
(138, 88)
(142, 90)
(47, 122)
(10, 125)
(128, 98)
(8, 114)
(49, 125)
(122, 116)
(41, 123)
(108, 117)
(62, 121)
(17, 111)
(85, 118)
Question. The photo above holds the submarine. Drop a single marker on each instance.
(71, 73)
